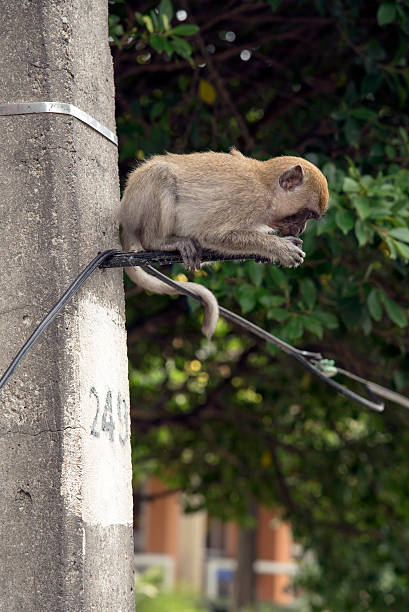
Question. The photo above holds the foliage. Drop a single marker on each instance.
(150, 596)
(228, 419)
(153, 30)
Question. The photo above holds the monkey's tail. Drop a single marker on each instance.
(150, 283)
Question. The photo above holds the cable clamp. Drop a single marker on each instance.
(61, 108)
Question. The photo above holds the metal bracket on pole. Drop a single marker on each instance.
(62, 108)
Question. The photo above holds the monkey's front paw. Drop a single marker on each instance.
(289, 253)
(295, 240)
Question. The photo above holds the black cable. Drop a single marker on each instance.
(378, 390)
(116, 258)
(262, 333)
(49, 318)
(125, 260)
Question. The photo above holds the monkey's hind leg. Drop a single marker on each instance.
(191, 252)
(189, 249)
(160, 222)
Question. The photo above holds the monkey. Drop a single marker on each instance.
(225, 202)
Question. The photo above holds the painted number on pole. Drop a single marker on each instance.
(107, 420)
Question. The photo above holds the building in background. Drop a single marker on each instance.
(200, 551)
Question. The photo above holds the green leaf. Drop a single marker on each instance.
(344, 220)
(313, 325)
(164, 435)
(183, 82)
(352, 132)
(365, 114)
(362, 232)
(185, 29)
(366, 180)
(160, 43)
(379, 212)
(327, 319)
(403, 134)
(403, 249)
(294, 328)
(362, 206)
(386, 13)
(246, 297)
(400, 233)
(394, 311)
(156, 23)
(165, 8)
(255, 271)
(330, 172)
(272, 349)
(148, 23)
(277, 276)
(374, 305)
(278, 314)
(165, 22)
(371, 83)
(168, 48)
(181, 45)
(392, 249)
(117, 30)
(387, 188)
(390, 151)
(308, 292)
(271, 300)
(157, 110)
(350, 185)
(400, 379)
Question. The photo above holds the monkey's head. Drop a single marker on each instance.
(300, 193)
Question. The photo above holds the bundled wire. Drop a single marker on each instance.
(49, 318)
(323, 368)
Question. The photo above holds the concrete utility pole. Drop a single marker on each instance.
(65, 464)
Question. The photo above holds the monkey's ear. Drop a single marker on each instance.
(291, 178)
(234, 151)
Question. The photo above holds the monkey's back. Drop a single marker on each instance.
(215, 188)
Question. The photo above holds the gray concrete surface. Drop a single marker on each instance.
(65, 466)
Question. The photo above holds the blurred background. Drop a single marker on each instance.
(255, 486)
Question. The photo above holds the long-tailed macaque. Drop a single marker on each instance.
(222, 201)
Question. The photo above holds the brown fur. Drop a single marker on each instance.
(221, 201)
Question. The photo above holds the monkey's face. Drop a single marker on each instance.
(298, 199)
(294, 225)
